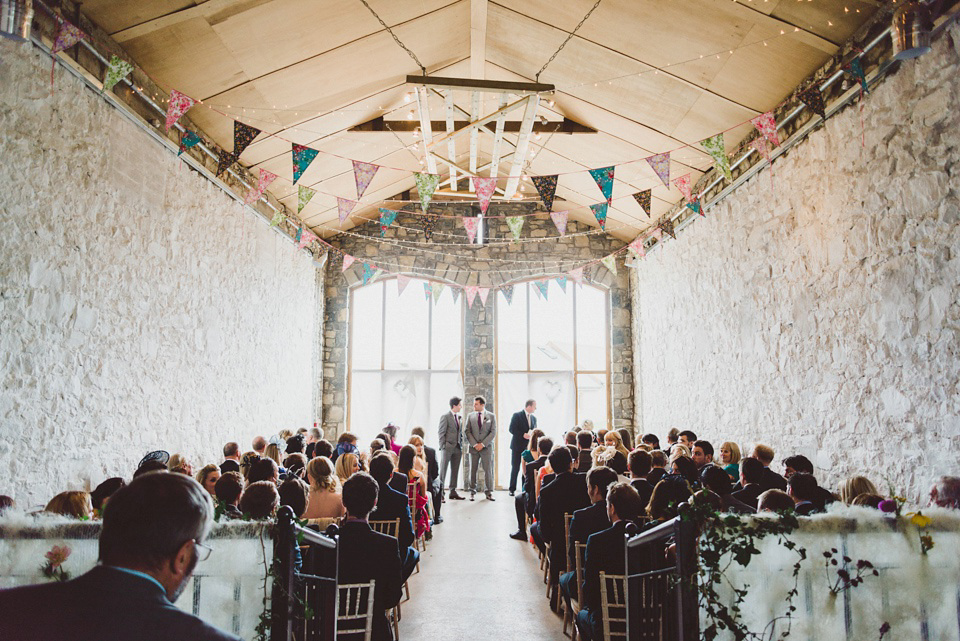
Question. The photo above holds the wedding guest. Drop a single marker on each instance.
(718, 482)
(751, 473)
(854, 486)
(259, 445)
(673, 436)
(702, 453)
(667, 495)
(584, 461)
(346, 443)
(103, 492)
(394, 505)
(296, 444)
(626, 437)
(324, 499)
(868, 500)
(323, 448)
(73, 504)
(613, 439)
(150, 466)
(658, 465)
(231, 458)
(260, 500)
(313, 437)
(774, 501)
(685, 467)
(771, 480)
(264, 469)
(248, 460)
(802, 488)
(296, 465)
(207, 477)
(730, 459)
(348, 464)
(639, 464)
(294, 493)
(228, 490)
(273, 450)
(652, 441)
(391, 430)
(178, 463)
(687, 439)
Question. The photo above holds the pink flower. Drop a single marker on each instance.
(888, 506)
(58, 555)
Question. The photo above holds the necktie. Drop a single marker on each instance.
(479, 422)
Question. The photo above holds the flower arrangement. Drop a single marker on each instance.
(53, 568)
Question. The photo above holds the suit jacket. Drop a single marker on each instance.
(749, 494)
(585, 522)
(229, 466)
(584, 461)
(605, 553)
(365, 555)
(519, 427)
(399, 482)
(566, 494)
(392, 504)
(105, 604)
(806, 508)
(773, 481)
(530, 483)
(655, 475)
(433, 468)
(451, 436)
(644, 488)
(730, 504)
(483, 433)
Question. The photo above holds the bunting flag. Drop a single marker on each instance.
(507, 291)
(471, 223)
(766, 124)
(370, 272)
(344, 207)
(262, 183)
(427, 291)
(696, 208)
(117, 70)
(637, 247)
(426, 185)
(855, 69)
(643, 199)
(225, 160)
(576, 275)
(660, 163)
(485, 188)
(363, 173)
(243, 135)
(299, 233)
(188, 140)
(402, 282)
(471, 292)
(306, 238)
(666, 227)
(604, 180)
(387, 216)
(812, 98)
(302, 157)
(304, 194)
(278, 219)
(600, 212)
(515, 223)
(484, 292)
(437, 290)
(683, 184)
(760, 146)
(560, 220)
(543, 287)
(178, 105)
(67, 36)
(429, 224)
(455, 292)
(610, 262)
(547, 188)
(562, 281)
(718, 151)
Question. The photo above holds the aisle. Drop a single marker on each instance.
(475, 582)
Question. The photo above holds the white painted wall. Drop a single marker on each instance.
(140, 306)
(823, 318)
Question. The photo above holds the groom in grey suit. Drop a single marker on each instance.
(481, 430)
(451, 447)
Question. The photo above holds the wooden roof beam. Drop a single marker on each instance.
(565, 126)
(491, 86)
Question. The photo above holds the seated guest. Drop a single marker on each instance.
(323, 448)
(525, 501)
(945, 492)
(392, 505)
(751, 473)
(800, 463)
(868, 500)
(348, 464)
(313, 437)
(259, 445)
(687, 439)
(260, 500)
(346, 443)
(296, 444)
(273, 450)
(685, 467)
(676, 452)
(774, 501)
(365, 555)
(570, 438)
(324, 500)
(228, 489)
(296, 465)
(667, 496)
(391, 430)
(264, 469)
(771, 480)
(626, 437)
(414, 488)
(605, 553)
(72, 504)
(178, 463)
(673, 437)
(651, 440)
(730, 459)
(231, 458)
(585, 522)
(717, 481)
(433, 472)
(245, 463)
(617, 462)
(294, 493)
(702, 453)
(584, 446)
(150, 466)
(658, 465)
(150, 542)
(854, 487)
(639, 464)
(527, 456)
(103, 492)
(802, 488)
(208, 476)
(612, 439)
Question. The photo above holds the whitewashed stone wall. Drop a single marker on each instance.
(140, 306)
(823, 318)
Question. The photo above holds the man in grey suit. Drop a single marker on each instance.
(451, 449)
(481, 430)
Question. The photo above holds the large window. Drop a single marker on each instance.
(553, 350)
(405, 357)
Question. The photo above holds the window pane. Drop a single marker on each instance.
(407, 330)
(512, 330)
(591, 329)
(551, 330)
(446, 333)
(443, 387)
(592, 399)
(367, 317)
(365, 408)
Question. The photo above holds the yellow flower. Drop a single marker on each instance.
(920, 520)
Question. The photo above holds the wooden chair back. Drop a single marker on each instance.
(613, 597)
(388, 527)
(355, 606)
(579, 552)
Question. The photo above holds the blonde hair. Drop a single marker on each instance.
(854, 487)
(587, 424)
(246, 460)
(678, 451)
(176, 460)
(273, 451)
(75, 504)
(734, 451)
(345, 465)
(321, 476)
(614, 436)
(764, 453)
(285, 434)
(205, 472)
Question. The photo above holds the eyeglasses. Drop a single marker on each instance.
(203, 551)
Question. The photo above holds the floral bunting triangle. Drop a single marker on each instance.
(243, 135)
(402, 282)
(766, 124)
(855, 69)
(483, 292)
(224, 161)
(455, 292)
(515, 223)
(426, 185)
(600, 212)
(302, 157)
(363, 173)
(262, 183)
(370, 272)
(576, 275)
(667, 227)
(178, 105)
(471, 292)
(660, 163)
(812, 98)
(188, 140)
(117, 70)
(306, 237)
(760, 146)
(507, 291)
(470, 223)
(347, 261)
(427, 291)
(304, 194)
(637, 247)
(344, 207)
(610, 262)
(543, 287)
(696, 208)
(715, 146)
(485, 188)
(560, 220)
(643, 199)
(683, 184)
(387, 216)
(429, 224)
(547, 188)
(437, 290)
(604, 180)
(68, 35)
(278, 219)
(562, 281)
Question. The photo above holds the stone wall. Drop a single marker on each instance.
(822, 317)
(140, 306)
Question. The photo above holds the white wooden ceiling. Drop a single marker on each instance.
(650, 75)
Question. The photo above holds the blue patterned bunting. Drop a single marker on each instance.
(542, 287)
(604, 178)
(600, 211)
(387, 216)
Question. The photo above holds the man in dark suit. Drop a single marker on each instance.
(391, 505)
(800, 463)
(150, 542)
(751, 473)
(231, 458)
(605, 553)
(366, 555)
(802, 488)
(521, 424)
(658, 463)
(771, 480)
(584, 446)
(585, 522)
(525, 502)
(639, 465)
(433, 473)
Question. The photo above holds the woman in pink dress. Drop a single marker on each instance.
(416, 487)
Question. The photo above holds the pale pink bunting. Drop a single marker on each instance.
(637, 247)
(656, 234)
(683, 184)
(67, 36)
(484, 291)
(560, 220)
(178, 105)
(485, 188)
(347, 261)
(402, 282)
(470, 223)
(472, 291)
(262, 183)
(306, 238)
(766, 124)
(576, 275)
(344, 207)
(760, 146)
(363, 173)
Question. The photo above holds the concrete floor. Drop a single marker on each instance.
(475, 582)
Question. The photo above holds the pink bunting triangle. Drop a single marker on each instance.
(344, 207)
(576, 275)
(485, 188)
(178, 105)
(363, 173)
(683, 184)
(347, 261)
(766, 124)
(483, 291)
(472, 291)
(661, 165)
(262, 183)
(560, 220)
(637, 247)
(306, 237)
(470, 223)
(760, 146)
(402, 282)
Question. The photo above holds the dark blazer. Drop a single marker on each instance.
(530, 483)
(365, 555)
(729, 504)
(585, 522)
(773, 481)
(656, 474)
(229, 466)
(824, 497)
(806, 508)
(394, 505)
(433, 469)
(564, 495)
(584, 461)
(749, 494)
(605, 553)
(519, 427)
(644, 488)
(399, 482)
(105, 604)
